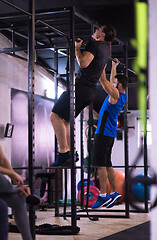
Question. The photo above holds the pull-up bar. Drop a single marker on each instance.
(54, 29)
(16, 7)
(114, 60)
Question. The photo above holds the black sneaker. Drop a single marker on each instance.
(32, 200)
(61, 159)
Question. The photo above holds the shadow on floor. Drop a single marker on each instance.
(140, 232)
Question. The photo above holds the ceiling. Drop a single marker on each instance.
(14, 25)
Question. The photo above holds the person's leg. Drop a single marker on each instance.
(102, 173)
(18, 205)
(112, 178)
(99, 160)
(67, 125)
(43, 190)
(60, 131)
(45, 196)
(60, 119)
(3, 220)
(103, 199)
(43, 186)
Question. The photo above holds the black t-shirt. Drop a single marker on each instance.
(90, 75)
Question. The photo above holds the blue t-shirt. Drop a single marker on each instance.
(107, 122)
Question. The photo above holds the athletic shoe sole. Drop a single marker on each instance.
(113, 202)
(104, 204)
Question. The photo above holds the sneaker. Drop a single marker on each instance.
(32, 200)
(115, 198)
(62, 159)
(102, 201)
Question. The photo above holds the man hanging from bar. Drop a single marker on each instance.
(106, 132)
(91, 63)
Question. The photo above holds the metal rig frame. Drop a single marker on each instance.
(34, 18)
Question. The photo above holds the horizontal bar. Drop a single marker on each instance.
(131, 166)
(112, 59)
(100, 210)
(63, 167)
(92, 215)
(43, 46)
(18, 49)
(38, 13)
(15, 49)
(77, 167)
(16, 7)
(54, 29)
(11, 17)
(52, 11)
(24, 36)
(20, 168)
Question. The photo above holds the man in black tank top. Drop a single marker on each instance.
(91, 63)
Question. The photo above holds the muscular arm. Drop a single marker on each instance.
(108, 87)
(85, 58)
(113, 70)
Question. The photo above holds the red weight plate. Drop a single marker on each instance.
(93, 195)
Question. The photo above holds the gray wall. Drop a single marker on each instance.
(14, 74)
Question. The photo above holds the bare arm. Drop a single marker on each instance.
(113, 70)
(6, 168)
(3, 160)
(108, 87)
(85, 58)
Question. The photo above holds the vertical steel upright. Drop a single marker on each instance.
(89, 149)
(72, 119)
(31, 140)
(89, 139)
(56, 73)
(126, 153)
(82, 156)
(145, 169)
(56, 148)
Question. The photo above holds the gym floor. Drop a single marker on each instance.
(89, 230)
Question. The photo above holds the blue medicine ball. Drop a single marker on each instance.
(138, 191)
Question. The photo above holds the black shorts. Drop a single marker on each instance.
(84, 96)
(102, 149)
